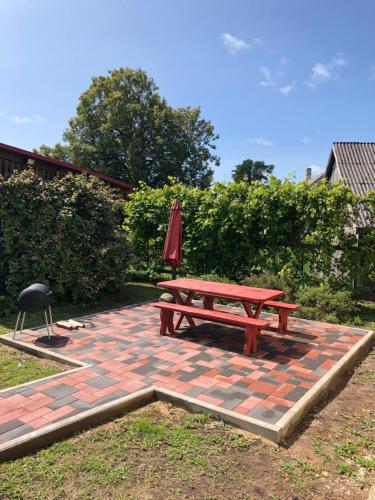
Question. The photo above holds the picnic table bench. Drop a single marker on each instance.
(252, 326)
(283, 309)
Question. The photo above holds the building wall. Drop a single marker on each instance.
(335, 175)
(10, 162)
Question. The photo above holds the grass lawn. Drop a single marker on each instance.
(17, 367)
(164, 452)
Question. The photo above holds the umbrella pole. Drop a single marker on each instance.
(174, 272)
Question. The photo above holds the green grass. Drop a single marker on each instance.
(180, 448)
(17, 367)
(133, 293)
(367, 314)
(298, 472)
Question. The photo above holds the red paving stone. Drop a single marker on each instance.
(125, 353)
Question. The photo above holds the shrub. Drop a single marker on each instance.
(214, 277)
(273, 282)
(323, 303)
(239, 230)
(65, 232)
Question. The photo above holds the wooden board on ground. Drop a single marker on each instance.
(70, 324)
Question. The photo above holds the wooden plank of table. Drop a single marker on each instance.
(222, 290)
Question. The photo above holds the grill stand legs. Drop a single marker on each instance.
(49, 324)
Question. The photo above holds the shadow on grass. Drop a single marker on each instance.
(133, 293)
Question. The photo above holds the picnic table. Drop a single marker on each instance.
(210, 290)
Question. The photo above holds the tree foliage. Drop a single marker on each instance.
(58, 151)
(65, 232)
(250, 171)
(125, 129)
(238, 230)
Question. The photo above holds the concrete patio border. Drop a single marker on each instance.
(274, 432)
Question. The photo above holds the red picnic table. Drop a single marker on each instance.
(210, 290)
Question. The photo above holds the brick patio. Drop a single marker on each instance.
(122, 353)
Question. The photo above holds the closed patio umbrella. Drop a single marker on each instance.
(173, 241)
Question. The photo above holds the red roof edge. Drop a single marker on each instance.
(29, 154)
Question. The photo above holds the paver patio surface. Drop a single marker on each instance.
(124, 353)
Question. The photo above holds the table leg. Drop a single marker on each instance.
(179, 300)
(283, 321)
(248, 309)
(258, 310)
(208, 302)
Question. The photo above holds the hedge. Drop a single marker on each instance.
(65, 232)
(238, 230)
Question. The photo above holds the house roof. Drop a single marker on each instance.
(356, 163)
(65, 165)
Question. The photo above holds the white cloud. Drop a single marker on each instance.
(287, 89)
(21, 120)
(323, 72)
(316, 170)
(234, 44)
(372, 72)
(306, 140)
(259, 141)
(270, 81)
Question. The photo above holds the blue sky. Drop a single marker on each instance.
(280, 79)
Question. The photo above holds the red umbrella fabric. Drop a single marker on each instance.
(173, 241)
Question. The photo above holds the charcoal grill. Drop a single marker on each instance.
(34, 298)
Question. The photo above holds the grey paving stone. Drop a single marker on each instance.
(59, 403)
(101, 382)
(146, 369)
(320, 372)
(295, 394)
(100, 370)
(230, 404)
(195, 391)
(266, 414)
(81, 405)
(17, 432)
(28, 391)
(8, 426)
(60, 391)
(228, 394)
(312, 363)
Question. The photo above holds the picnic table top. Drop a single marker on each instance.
(225, 290)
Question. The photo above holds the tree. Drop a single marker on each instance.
(250, 171)
(125, 129)
(58, 151)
